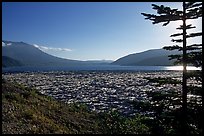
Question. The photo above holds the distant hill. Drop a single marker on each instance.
(154, 57)
(9, 62)
(21, 53)
(29, 55)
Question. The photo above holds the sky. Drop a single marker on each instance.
(88, 30)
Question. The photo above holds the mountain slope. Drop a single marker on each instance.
(9, 62)
(32, 56)
(152, 57)
(156, 61)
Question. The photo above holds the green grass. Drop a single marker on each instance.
(34, 113)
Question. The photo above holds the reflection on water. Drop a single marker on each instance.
(95, 67)
(181, 68)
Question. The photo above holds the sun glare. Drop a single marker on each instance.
(180, 68)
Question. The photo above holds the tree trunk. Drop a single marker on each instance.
(184, 82)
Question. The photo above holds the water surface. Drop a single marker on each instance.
(96, 67)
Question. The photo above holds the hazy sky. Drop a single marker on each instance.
(87, 30)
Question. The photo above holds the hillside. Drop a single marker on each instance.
(25, 111)
(155, 61)
(31, 56)
(154, 57)
(9, 62)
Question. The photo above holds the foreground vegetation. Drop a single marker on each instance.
(25, 111)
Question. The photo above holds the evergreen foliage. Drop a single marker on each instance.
(192, 54)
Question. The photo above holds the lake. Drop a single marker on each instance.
(96, 67)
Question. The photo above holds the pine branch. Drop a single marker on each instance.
(166, 23)
(187, 27)
(193, 48)
(192, 5)
(166, 15)
(174, 47)
(189, 4)
(177, 56)
(149, 16)
(195, 45)
(194, 13)
(179, 48)
(195, 53)
(177, 40)
(165, 18)
(195, 58)
(194, 34)
(178, 34)
(195, 10)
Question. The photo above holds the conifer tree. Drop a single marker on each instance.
(191, 54)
